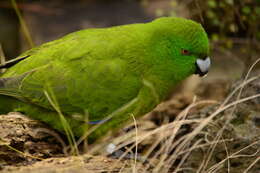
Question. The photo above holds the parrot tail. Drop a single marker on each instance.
(8, 98)
(11, 104)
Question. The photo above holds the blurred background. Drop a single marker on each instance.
(233, 26)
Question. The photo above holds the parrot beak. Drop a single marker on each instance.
(202, 66)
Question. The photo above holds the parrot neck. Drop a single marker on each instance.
(163, 80)
(159, 87)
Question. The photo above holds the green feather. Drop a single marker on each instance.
(100, 71)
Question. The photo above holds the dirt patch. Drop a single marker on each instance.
(24, 141)
(76, 164)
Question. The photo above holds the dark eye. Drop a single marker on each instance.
(185, 52)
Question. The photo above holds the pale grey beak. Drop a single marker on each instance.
(202, 66)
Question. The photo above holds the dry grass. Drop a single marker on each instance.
(173, 151)
(23, 24)
(2, 58)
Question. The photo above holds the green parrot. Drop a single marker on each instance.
(103, 76)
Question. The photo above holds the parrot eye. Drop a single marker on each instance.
(184, 52)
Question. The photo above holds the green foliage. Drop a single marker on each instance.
(229, 18)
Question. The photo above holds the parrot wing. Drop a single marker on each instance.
(97, 86)
(84, 71)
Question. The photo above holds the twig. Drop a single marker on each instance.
(2, 57)
(23, 24)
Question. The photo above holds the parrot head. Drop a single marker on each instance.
(186, 44)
